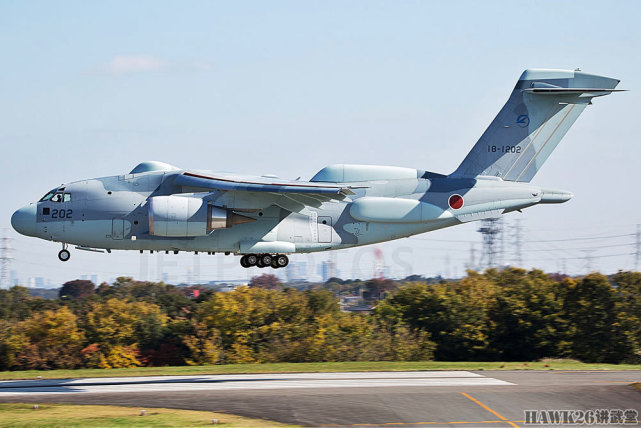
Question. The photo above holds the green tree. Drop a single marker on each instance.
(322, 301)
(15, 303)
(77, 289)
(597, 330)
(524, 316)
(454, 313)
(628, 286)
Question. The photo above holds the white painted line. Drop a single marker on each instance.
(246, 377)
(248, 382)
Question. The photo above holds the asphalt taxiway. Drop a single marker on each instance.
(424, 398)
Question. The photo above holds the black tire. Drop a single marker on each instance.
(266, 259)
(243, 262)
(64, 255)
(251, 259)
(281, 260)
(259, 263)
(275, 263)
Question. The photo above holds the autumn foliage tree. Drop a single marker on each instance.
(47, 340)
(509, 314)
(117, 329)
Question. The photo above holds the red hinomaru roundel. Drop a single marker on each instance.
(455, 201)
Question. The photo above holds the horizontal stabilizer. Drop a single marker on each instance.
(481, 215)
(571, 90)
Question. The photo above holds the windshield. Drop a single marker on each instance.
(56, 197)
(47, 197)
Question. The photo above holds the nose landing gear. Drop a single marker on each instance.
(264, 260)
(64, 254)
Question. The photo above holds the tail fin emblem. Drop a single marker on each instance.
(523, 120)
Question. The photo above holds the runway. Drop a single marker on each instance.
(412, 399)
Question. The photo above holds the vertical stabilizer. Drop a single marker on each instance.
(540, 110)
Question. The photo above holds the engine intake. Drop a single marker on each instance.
(176, 216)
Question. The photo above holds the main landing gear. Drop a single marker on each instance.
(264, 260)
(64, 254)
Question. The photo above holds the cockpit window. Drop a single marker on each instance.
(56, 196)
(47, 197)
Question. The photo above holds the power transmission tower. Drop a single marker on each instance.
(589, 260)
(637, 253)
(447, 272)
(5, 260)
(471, 264)
(492, 231)
(516, 235)
(500, 259)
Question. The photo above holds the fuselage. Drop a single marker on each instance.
(387, 203)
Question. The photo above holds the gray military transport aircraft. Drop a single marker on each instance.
(158, 207)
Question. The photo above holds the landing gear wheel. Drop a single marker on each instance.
(281, 260)
(243, 262)
(251, 259)
(64, 255)
(259, 263)
(275, 263)
(266, 259)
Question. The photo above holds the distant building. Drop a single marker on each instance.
(296, 271)
(13, 278)
(328, 270)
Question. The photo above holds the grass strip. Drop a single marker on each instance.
(22, 415)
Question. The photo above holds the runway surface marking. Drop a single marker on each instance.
(408, 424)
(495, 413)
(247, 382)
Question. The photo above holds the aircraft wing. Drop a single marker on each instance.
(235, 182)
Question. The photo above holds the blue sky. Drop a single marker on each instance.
(91, 88)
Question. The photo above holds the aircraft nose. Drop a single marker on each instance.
(24, 220)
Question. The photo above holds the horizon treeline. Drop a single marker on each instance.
(507, 315)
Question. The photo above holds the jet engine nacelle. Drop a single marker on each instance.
(179, 216)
